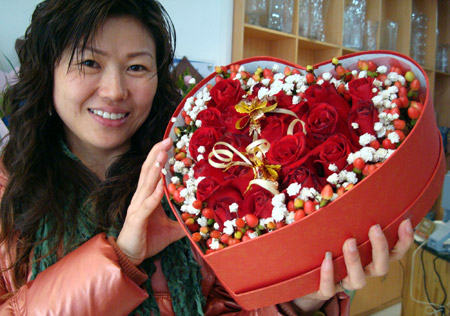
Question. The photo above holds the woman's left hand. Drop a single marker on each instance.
(356, 273)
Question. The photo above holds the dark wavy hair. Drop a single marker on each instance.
(41, 177)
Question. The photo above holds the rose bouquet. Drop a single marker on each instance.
(266, 148)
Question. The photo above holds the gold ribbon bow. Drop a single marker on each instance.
(265, 175)
(255, 113)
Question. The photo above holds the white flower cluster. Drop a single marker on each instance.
(193, 106)
(279, 211)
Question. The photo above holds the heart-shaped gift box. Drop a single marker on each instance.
(285, 264)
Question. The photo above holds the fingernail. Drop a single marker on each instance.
(377, 230)
(408, 226)
(328, 262)
(352, 245)
(166, 141)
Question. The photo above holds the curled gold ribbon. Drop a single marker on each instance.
(265, 175)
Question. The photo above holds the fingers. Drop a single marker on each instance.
(152, 159)
(380, 253)
(356, 277)
(327, 287)
(405, 240)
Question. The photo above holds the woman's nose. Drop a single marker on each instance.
(113, 85)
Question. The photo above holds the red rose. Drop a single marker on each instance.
(241, 177)
(226, 93)
(361, 89)
(327, 93)
(206, 137)
(257, 201)
(204, 169)
(287, 150)
(275, 126)
(323, 120)
(229, 118)
(365, 115)
(206, 187)
(220, 202)
(334, 150)
(238, 141)
(210, 117)
(305, 176)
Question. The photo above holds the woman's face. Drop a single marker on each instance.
(103, 104)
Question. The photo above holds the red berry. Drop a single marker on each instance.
(280, 224)
(218, 79)
(185, 216)
(405, 101)
(340, 191)
(340, 70)
(187, 120)
(368, 169)
(252, 220)
(196, 237)
(327, 192)
(267, 72)
(375, 144)
(372, 66)
(177, 197)
(233, 75)
(287, 71)
(399, 124)
(208, 213)
(171, 188)
(415, 85)
(291, 206)
(413, 113)
(309, 207)
(299, 215)
(295, 71)
(400, 134)
(387, 144)
(185, 178)
(189, 221)
(310, 78)
(341, 89)
(180, 156)
(215, 234)
(240, 223)
(197, 204)
(359, 163)
(187, 162)
(224, 238)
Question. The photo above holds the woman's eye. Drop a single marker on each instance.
(89, 63)
(137, 68)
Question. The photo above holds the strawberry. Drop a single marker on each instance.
(310, 78)
(214, 234)
(299, 215)
(240, 223)
(359, 163)
(171, 187)
(372, 66)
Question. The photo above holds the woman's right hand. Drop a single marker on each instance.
(147, 230)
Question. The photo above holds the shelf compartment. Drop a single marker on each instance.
(310, 53)
(400, 12)
(429, 8)
(441, 97)
(260, 41)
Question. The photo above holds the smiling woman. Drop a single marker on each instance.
(105, 93)
(82, 226)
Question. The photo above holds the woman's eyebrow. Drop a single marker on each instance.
(129, 55)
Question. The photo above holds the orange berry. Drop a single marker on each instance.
(196, 237)
(215, 234)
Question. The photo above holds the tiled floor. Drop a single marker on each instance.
(394, 310)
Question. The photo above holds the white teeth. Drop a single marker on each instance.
(107, 115)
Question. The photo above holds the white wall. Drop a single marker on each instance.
(15, 15)
(204, 28)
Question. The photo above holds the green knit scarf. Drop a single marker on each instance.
(181, 270)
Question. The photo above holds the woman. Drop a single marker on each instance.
(83, 231)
